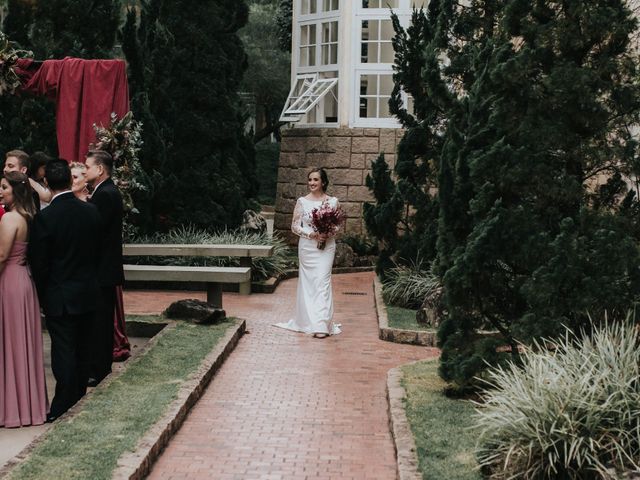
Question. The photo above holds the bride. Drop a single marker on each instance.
(314, 303)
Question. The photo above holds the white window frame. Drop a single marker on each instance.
(311, 96)
(358, 68)
(291, 98)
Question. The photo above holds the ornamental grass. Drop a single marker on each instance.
(573, 413)
(408, 286)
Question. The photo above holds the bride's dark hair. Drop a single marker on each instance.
(324, 178)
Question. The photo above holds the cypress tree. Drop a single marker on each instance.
(186, 63)
(535, 101)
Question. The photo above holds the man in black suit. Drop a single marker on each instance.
(64, 263)
(107, 198)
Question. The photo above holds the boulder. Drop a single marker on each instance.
(344, 255)
(253, 222)
(195, 311)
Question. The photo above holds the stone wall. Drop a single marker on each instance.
(346, 154)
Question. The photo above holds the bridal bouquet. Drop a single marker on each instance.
(327, 220)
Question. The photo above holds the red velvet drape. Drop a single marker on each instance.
(86, 93)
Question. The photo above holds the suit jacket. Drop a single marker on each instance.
(63, 255)
(109, 202)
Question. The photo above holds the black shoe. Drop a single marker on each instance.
(92, 382)
(51, 418)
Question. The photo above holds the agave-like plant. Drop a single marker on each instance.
(282, 259)
(569, 413)
(408, 286)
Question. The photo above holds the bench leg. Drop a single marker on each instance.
(245, 288)
(214, 294)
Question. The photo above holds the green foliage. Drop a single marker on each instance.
(284, 19)
(571, 413)
(282, 259)
(186, 62)
(361, 245)
(409, 286)
(267, 156)
(404, 319)
(268, 74)
(519, 106)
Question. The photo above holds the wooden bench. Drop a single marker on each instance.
(214, 277)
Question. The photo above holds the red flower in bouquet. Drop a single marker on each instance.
(327, 220)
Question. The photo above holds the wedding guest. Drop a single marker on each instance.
(38, 162)
(64, 262)
(107, 198)
(23, 394)
(121, 345)
(314, 301)
(79, 180)
(18, 161)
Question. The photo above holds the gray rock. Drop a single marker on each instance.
(253, 222)
(344, 255)
(195, 311)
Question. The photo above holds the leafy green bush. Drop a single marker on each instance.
(408, 286)
(569, 414)
(361, 245)
(263, 267)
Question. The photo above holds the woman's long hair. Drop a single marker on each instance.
(22, 194)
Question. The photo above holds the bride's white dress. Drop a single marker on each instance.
(314, 302)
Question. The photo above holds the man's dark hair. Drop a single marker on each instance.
(38, 159)
(58, 174)
(102, 158)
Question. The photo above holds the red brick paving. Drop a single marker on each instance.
(286, 405)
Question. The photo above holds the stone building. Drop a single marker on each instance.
(337, 109)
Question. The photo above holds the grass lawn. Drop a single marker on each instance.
(439, 424)
(116, 417)
(404, 319)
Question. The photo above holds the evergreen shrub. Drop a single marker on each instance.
(282, 259)
(570, 413)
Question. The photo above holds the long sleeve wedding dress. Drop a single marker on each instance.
(314, 302)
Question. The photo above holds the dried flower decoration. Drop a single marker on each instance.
(9, 79)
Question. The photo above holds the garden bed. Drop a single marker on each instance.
(440, 425)
(111, 421)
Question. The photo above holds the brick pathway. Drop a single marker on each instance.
(288, 406)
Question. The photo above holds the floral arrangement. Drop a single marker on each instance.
(123, 140)
(327, 220)
(9, 79)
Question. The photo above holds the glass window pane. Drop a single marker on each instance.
(385, 30)
(419, 3)
(333, 57)
(368, 107)
(386, 84)
(334, 31)
(304, 35)
(312, 56)
(410, 104)
(330, 107)
(372, 53)
(312, 34)
(312, 6)
(304, 7)
(368, 84)
(304, 56)
(381, 3)
(326, 32)
(383, 106)
(374, 29)
(365, 30)
(387, 55)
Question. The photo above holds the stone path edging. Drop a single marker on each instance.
(406, 456)
(397, 335)
(77, 408)
(136, 465)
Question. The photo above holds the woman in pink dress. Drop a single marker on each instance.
(23, 394)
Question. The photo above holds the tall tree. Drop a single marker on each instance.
(530, 103)
(267, 79)
(186, 62)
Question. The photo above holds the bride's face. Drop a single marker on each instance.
(314, 182)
